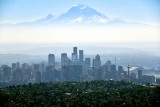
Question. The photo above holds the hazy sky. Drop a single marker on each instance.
(82, 34)
(146, 11)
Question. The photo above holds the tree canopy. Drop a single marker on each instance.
(80, 94)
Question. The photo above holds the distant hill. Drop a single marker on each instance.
(12, 58)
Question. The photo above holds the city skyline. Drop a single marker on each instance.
(78, 68)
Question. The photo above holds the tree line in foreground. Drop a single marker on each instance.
(80, 94)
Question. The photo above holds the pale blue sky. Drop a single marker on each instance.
(146, 11)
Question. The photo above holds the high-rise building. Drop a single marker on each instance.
(120, 73)
(51, 59)
(57, 75)
(14, 67)
(17, 75)
(74, 54)
(113, 72)
(97, 61)
(42, 66)
(93, 63)
(113, 68)
(49, 73)
(38, 77)
(72, 72)
(18, 65)
(73, 57)
(108, 70)
(6, 73)
(81, 56)
(139, 74)
(64, 59)
(24, 66)
(109, 63)
(88, 61)
(97, 73)
(133, 77)
(36, 68)
(120, 69)
(75, 51)
(148, 79)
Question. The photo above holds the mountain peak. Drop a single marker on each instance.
(81, 6)
(78, 14)
(83, 14)
(83, 9)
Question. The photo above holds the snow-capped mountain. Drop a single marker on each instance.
(78, 14)
(83, 14)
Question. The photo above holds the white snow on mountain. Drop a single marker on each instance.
(78, 14)
(83, 14)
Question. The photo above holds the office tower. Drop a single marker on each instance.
(27, 73)
(64, 59)
(75, 51)
(111, 72)
(97, 61)
(57, 75)
(158, 81)
(49, 76)
(133, 77)
(17, 75)
(120, 69)
(148, 79)
(24, 70)
(14, 67)
(24, 66)
(120, 74)
(18, 65)
(42, 66)
(88, 61)
(38, 77)
(74, 54)
(139, 74)
(108, 69)
(6, 73)
(73, 57)
(36, 68)
(97, 73)
(108, 63)
(81, 56)
(72, 72)
(93, 63)
(51, 59)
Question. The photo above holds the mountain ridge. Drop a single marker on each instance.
(78, 14)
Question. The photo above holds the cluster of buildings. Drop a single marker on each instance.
(77, 68)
